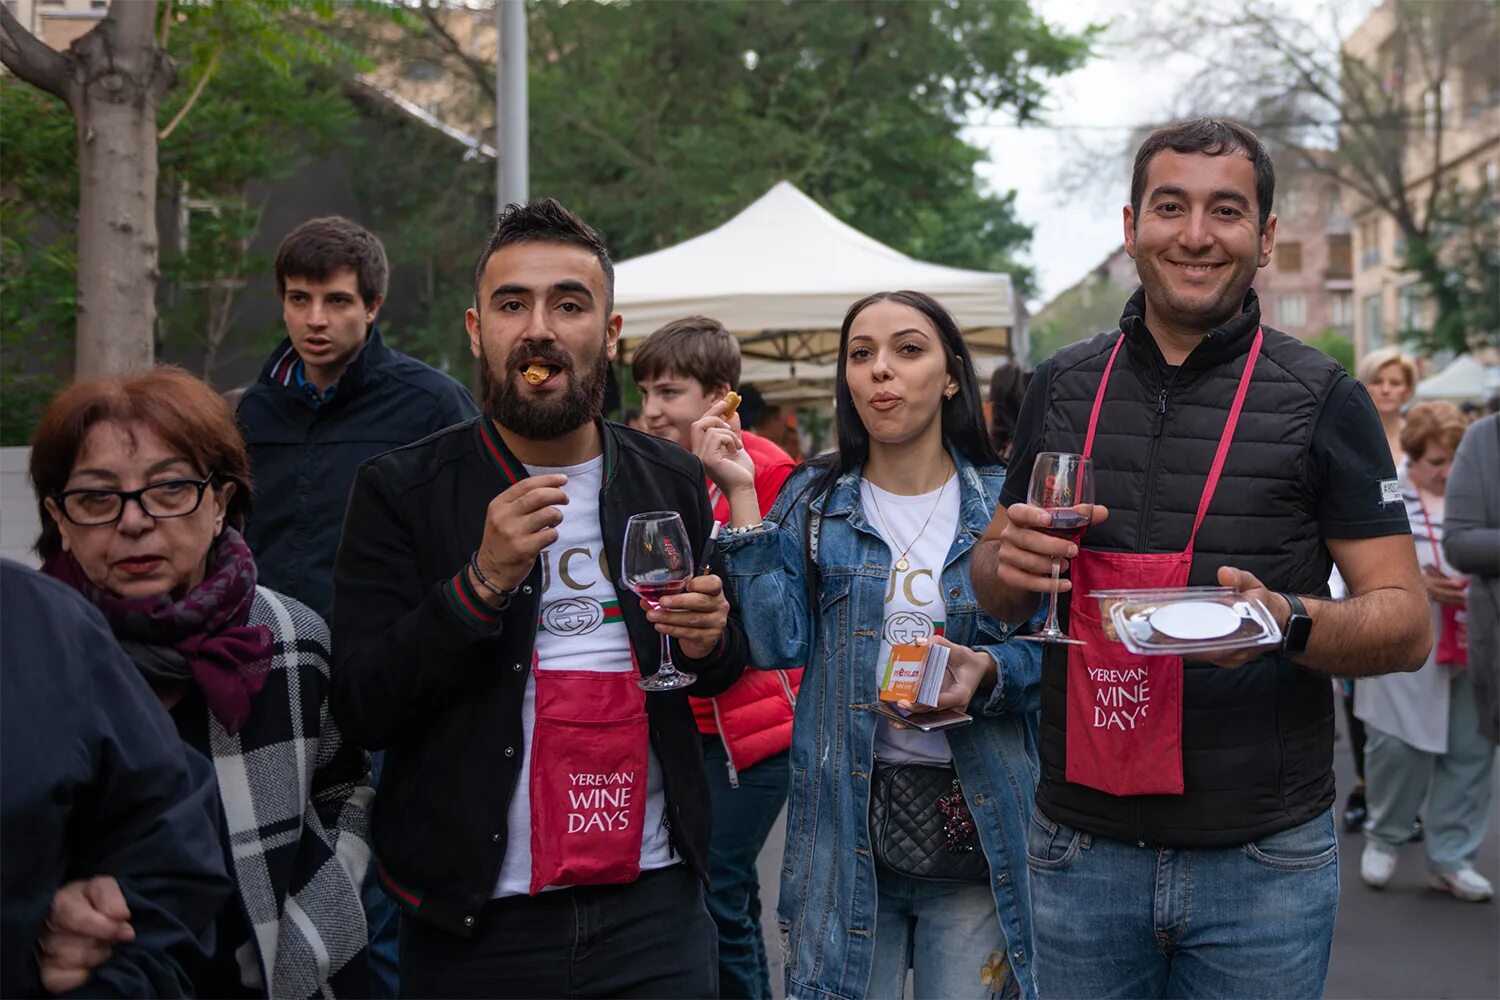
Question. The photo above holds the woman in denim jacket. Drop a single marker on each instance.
(891, 521)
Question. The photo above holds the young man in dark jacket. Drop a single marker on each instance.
(1183, 842)
(330, 396)
(542, 820)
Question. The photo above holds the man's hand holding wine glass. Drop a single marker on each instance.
(1027, 548)
(696, 618)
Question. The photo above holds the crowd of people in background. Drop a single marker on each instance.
(337, 693)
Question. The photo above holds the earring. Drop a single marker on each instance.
(950, 392)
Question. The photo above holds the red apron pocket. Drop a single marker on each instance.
(590, 752)
(1124, 732)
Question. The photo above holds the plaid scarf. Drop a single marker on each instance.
(208, 626)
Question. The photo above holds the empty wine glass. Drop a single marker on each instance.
(657, 562)
(1063, 485)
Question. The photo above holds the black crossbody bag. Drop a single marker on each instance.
(920, 825)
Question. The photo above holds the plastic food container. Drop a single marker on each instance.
(1186, 620)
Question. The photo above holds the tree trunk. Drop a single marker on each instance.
(118, 77)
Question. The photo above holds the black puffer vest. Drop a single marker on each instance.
(1257, 741)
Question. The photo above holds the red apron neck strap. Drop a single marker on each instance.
(1088, 443)
(1224, 439)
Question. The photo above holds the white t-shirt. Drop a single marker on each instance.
(575, 633)
(914, 607)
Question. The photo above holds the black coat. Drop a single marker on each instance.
(419, 675)
(303, 456)
(95, 781)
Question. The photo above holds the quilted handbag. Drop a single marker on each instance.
(921, 827)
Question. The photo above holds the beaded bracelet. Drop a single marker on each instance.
(504, 595)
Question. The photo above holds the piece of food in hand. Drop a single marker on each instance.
(731, 403)
(536, 374)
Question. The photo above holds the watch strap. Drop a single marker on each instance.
(1298, 625)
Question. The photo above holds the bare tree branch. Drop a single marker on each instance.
(208, 73)
(31, 59)
(482, 72)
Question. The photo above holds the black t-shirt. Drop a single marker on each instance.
(1350, 469)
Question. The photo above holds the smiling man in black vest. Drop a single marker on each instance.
(1188, 849)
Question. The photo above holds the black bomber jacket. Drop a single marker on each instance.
(429, 674)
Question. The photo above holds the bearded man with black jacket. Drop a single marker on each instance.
(542, 821)
(1183, 842)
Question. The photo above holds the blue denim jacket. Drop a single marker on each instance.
(828, 895)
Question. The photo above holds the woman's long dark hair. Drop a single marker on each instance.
(962, 415)
(1008, 385)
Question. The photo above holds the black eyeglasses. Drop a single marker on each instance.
(92, 506)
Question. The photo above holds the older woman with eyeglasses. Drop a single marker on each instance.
(141, 480)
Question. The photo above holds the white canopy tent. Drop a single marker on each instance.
(1463, 380)
(781, 274)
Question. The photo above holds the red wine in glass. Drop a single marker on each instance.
(658, 561)
(1062, 484)
(652, 592)
(1067, 522)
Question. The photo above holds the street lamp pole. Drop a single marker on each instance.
(513, 165)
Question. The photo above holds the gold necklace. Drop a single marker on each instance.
(902, 564)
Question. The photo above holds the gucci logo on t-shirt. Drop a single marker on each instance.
(573, 616)
(905, 627)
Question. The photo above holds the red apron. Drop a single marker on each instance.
(1124, 709)
(590, 748)
(1453, 640)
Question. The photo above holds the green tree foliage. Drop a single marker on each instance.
(37, 260)
(1090, 307)
(1336, 345)
(261, 91)
(657, 121)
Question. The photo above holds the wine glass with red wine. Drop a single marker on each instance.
(1062, 484)
(658, 562)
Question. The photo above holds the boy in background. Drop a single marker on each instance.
(683, 369)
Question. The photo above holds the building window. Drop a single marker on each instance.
(1369, 239)
(1374, 322)
(1409, 308)
(1291, 204)
(1289, 257)
(422, 71)
(1291, 310)
(1341, 310)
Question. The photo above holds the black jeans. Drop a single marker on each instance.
(651, 938)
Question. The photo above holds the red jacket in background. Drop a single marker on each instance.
(754, 717)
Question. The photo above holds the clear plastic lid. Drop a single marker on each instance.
(1186, 620)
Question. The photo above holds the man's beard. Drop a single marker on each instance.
(543, 418)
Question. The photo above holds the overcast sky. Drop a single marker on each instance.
(1078, 224)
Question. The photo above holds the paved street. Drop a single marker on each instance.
(1407, 941)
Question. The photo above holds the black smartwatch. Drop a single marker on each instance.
(1298, 627)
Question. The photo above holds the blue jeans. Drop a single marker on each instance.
(1116, 920)
(743, 818)
(948, 935)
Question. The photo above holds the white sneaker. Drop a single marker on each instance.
(1466, 884)
(1376, 866)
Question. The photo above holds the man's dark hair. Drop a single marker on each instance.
(319, 247)
(547, 221)
(1212, 137)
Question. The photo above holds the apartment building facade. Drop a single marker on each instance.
(1463, 150)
